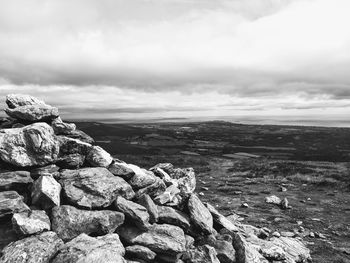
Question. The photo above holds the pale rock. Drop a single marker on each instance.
(200, 215)
(11, 202)
(17, 100)
(28, 223)
(46, 192)
(152, 190)
(98, 157)
(61, 127)
(121, 169)
(174, 217)
(33, 113)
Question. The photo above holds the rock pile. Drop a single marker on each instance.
(62, 200)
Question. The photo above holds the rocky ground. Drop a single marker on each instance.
(64, 199)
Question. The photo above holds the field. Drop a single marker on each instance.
(238, 164)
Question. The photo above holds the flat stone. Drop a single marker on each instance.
(295, 250)
(40, 248)
(28, 223)
(80, 135)
(17, 100)
(121, 169)
(86, 249)
(137, 213)
(200, 215)
(31, 145)
(18, 180)
(140, 252)
(175, 217)
(46, 192)
(71, 161)
(98, 157)
(33, 113)
(69, 222)
(221, 220)
(52, 170)
(147, 202)
(152, 190)
(11, 202)
(93, 187)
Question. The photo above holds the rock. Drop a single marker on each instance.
(32, 222)
(40, 248)
(140, 252)
(273, 253)
(164, 176)
(287, 234)
(166, 167)
(273, 200)
(29, 146)
(7, 233)
(186, 180)
(147, 202)
(72, 146)
(86, 249)
(174, 217)
(201, 254)
(152, 190)
(221, 220)
(141, 178)
(71, 161)
(81, 136)
(121, 169)
(69, 222)
(200, 215)
(33, 113)
(17, 180)
(225, 251)
(294, 249)
(46, 192)
(168, 196)
(11, 202)
(61, 127)
(165, 239)
(98, 157)
(93, 187)
(137, 213)
(17, 100)
(284, 204)
(52, 170)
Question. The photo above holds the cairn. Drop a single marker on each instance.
(65, 200)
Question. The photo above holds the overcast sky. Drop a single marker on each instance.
(179, 58)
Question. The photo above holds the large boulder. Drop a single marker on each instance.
(165, 239)
(31, 145)
(200, 215)
(93, 187)
(17, 100)
(29, 223)
(86, 249)
(46, 192)
(69, 222)
(11, 202)
(40, 248)
(33, 113)
(17, 180)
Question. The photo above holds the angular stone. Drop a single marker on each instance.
(174, 217)
(61, 127)
(33, 113)
(142, 179)
(200, 215)
(221, 220)
(11, 202)
(28, 223)
(166, 167)
(93, 187)
(69, 222)
(98, 157)
(166, 239)
(164, 176)
(81, 136)
(152, 190)
(40, 248)
(140, 252)
(146, 201)
(186, 180)
(224, 249)
(168, 196)
(201, 254)
(18, 180)
(121, 169)
(273, 253)
(32, 145)
(137, 213)
(7, 233)
(72, 146)
(273, 199)
(71, 161)
(46, 192)
(294, 249)
(86, 249)
(52, 170)
(17, 100)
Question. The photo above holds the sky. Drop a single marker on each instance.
(149, 59)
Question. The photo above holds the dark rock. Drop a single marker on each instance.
(137, 213)
(121, 169)
(172, 216)
(46, 192)
(33, 113)
(166, 167)
(186, 180)
(86, 249)
(28, 223)
(71, 161)
(52, 170)
(7, 233)
(40, 248)
(72, 146)
(69, 222)
(18, 180)
(200, 215)
(93, 187)
(152, 190)
(98, 157)
(81, 136)
(61, 127)
(201, 254)
(146, 201)
(29, 146)
(140, 252)
(221, 220)
(11, 202)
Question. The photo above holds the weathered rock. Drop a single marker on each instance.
(201, 254)
(46, 192)
(273, 199)
(32, 145)
(98, 157)
(72, 146)
(294, 249)
(40, 248)
(142, 178)
(220, 219)
(18, 180)
(93, 187)
(152, 190)
(166, 239)
(71, 161)
(164, 176)
(200, 215)
(69, 222)
(166, 167)
(168, 196)
(186, 180)
(121, 169)
(146, 201)
(223, 247)
(81, 136)
(28, 223)
(11, 202)
(51, 169)
(137, 213)
(17, 100)
(61, 127)
(33, 113)
(86, 249)
(140, 252)
(273, 253)
(172, 216)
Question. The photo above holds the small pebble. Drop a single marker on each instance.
(201, 193)
(276, 234)
(245, 205)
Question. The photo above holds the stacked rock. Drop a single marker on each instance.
(62, 199)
